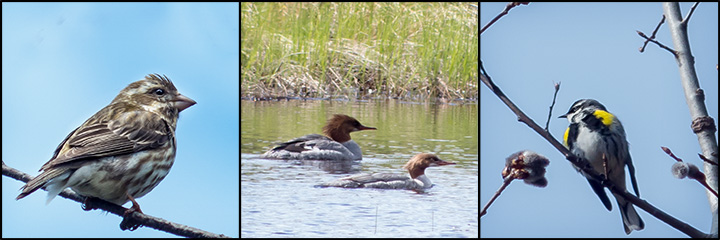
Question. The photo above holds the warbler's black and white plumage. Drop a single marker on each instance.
(594, 132)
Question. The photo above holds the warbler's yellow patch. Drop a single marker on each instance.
(606, 117)
(567, 131)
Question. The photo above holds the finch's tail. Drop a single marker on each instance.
(40, 181)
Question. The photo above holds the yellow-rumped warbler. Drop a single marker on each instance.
(594, 132)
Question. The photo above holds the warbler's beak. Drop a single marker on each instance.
(563, 116)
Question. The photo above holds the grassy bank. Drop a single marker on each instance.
(413, 51)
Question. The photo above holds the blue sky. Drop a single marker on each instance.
(62, 62)
(592, 49)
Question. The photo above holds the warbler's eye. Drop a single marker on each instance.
(159, 91)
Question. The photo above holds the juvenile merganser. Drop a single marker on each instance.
(417, 180)
(336, 145)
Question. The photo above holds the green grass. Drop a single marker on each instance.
(415, 51)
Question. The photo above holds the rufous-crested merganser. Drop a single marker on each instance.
(417, 180)
(336, 145)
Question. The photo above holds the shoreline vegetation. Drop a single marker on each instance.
(408, 51)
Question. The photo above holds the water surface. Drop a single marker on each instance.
(278, 198)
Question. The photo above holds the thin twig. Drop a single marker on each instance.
(506, 182)
(658, 43)
(145, 220)
(547, 124)
(642, 49)
(687, 18)
(707, 160)
(670, 153)
(503, 13)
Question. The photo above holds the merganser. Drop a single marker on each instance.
(417, 180)
(336, 145)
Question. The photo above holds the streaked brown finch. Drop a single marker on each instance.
(123, 151)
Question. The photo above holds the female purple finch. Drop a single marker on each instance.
(123, 151)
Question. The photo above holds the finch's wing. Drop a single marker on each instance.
(128, 133)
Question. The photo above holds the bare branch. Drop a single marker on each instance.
(146, 220)
(503, 13)
(642, 49)
(506, 183)
(702, 123)
(669, 153)
(547, 124)
(706, 160)
(692, 9)
(658, 43)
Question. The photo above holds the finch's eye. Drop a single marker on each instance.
(159, 92)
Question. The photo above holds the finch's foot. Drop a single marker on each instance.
(88, 204)
(128, 223)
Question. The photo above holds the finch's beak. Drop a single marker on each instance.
(183, 102)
